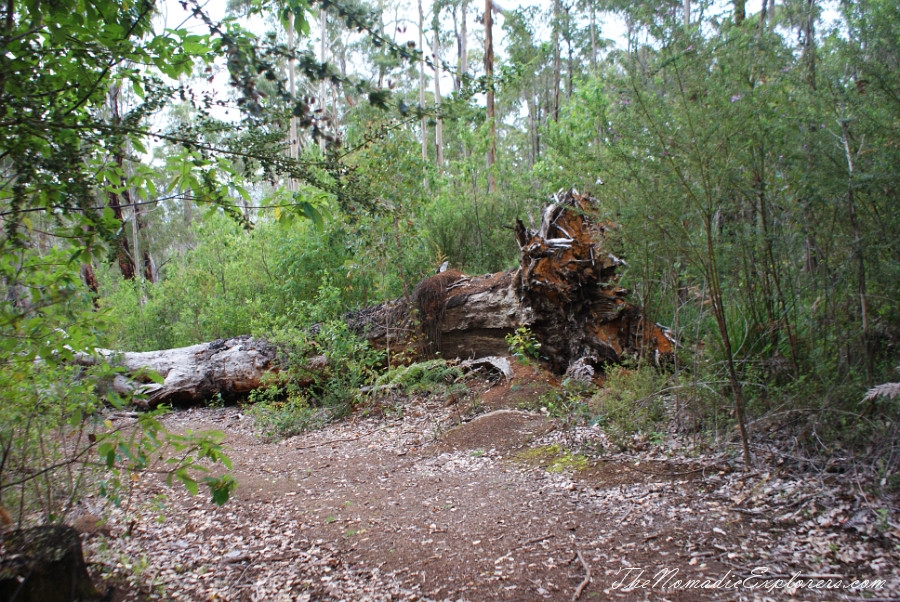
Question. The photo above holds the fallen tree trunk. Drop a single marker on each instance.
(227, 367)
(564, 291)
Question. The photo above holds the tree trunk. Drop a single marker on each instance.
(293, 139)
(556, 60)
(564, 291)
(570, 59)
(809, 44)
(44, 564)
(711, 268)
(90, 278)
(489, 76)
(439, 123)
(227, 367)
(463, 60)
(422, 85)
(463, 43)
(858, 253)
(532, 133)
(123, 251)
(323, 84)
(143, 259)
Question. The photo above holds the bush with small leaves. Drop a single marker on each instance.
(523, 345)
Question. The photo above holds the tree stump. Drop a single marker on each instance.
(44, 564)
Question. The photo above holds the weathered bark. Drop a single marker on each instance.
(422, 85)
(564, 291)
(740, 11)
(556, 59)
(123, 252)
(44, 564)
(228, 367)
(462, 49)
(90, 278)
(323, 83)
(436, 56)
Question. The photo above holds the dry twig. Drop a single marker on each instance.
(587, 577)
(538, 539)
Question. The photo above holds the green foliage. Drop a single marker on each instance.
(568, 401)
(233, 282)
(55, 446)
(726, 161)
(213, 291)
(629, 402)
(470, 230)
(431, 376)
(352, 363)
(148, 446)
(278, 418)
(320, 373)
(753, 178)
(65, 155)
(523, 345)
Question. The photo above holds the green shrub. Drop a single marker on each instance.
(319, 378)
(55, 446)
(568, 401)
(278, 419)
(629, 403)
(432, 376)
(230, 282)
(523, 345)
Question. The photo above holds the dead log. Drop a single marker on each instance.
(226, 367)
(564, 291)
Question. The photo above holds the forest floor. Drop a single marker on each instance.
(481, 500)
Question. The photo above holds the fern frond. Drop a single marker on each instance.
(889, 390)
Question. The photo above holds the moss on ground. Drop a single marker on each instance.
(553, 458)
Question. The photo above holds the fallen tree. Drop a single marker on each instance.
(192, 374)
(564, 291)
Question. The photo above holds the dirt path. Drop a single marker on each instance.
(430, 504)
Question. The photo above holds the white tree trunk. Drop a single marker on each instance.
(191, 374)
(439, 126)
(422, 84)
